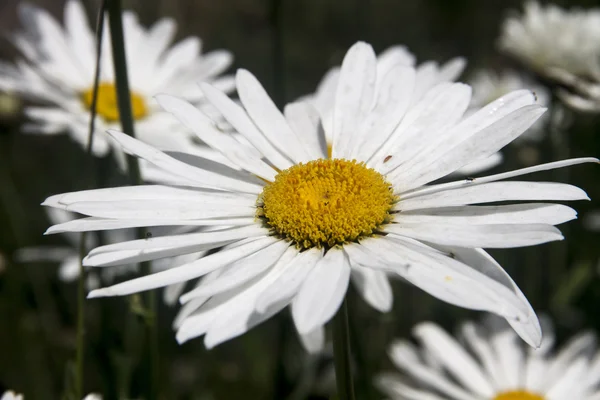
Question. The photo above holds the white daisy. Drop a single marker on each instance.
(58, 69)
(561, 45)
(549, 38)
(302, 224)
(492, 364)
(488, 86)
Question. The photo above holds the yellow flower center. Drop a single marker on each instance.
(325, 203)
(518, 395)
(107, 106)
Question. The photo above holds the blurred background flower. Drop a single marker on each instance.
(487, 361)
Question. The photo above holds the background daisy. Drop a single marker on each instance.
(56, 72)
(488, 361)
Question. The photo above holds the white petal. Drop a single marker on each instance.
(234, 314)
(354, 96)
(528, 328)
(185, 272)
(79, 35)
(480, 165)
(423, 124)
(374, 287)
(322, 292)
(240, 272)
(237, 117)
(204, 128)
(492, 178)
(457, 283)
(167, 246)
(160, 209)
(314, 342)
(448, 158)
(304, 120)
(487, 236)
(456, 360)
(173, 166)
(493, 192)
(268, 118)
(531, 213)
(149, 192)
(285, 287)
(100, 224)
(393, 98)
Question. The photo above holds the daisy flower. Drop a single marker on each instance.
(560, 45)
(491, 364)
(294, 225)
(57, 73)
(489, 85)
(549, 38)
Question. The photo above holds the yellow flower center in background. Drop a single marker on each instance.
(108, 107)
(324, 203)
(518, 395)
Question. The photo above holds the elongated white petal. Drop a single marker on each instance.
(353, 97)
(479, 145)
(230, 314)
(185, 272)
(528, 328)
(166, 246)
(285, 287)
(268, 118)
(100, 224)
(150, 192)
(240, 272)
(393, 98)
(204, 128)
(493, 192)
(454, 357)
(304, 121)
(457, 283)
(322, 292)
(365, 255)
(374, 287)
(163, 161)
(239, 119)
(160, 209)
(487, 236)
(497, 177)
(532, 213)
(436, 113)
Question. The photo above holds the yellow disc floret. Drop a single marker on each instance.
(107, 106)
(325, 203)
(518, 395)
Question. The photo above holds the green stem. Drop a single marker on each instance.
(341, 354)
(126, 117)
(82, 247)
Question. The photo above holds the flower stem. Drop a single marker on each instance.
(82, 246)
(126, 116)
(341, 354)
